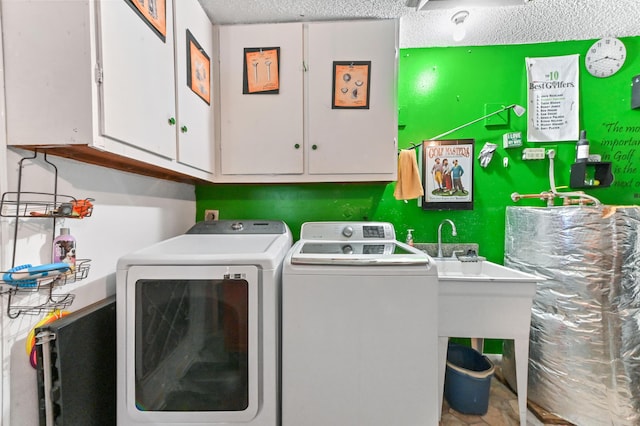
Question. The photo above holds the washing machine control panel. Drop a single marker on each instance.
(351, 231)
(373, 231)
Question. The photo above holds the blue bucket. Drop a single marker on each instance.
(467, 380)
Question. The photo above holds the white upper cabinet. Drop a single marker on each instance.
(302, 132)
(137, 97)
(261, 131)
(194, 88)
(96, 81)
(123, 84)
(352, 141)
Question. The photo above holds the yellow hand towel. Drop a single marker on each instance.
(409, 185)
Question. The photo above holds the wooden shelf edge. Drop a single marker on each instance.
(86, 154)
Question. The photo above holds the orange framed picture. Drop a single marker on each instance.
(153, 13)
(351, 80)
(198, 69)
(261, 70)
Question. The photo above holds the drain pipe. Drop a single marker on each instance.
(550, 195)
(552, 183)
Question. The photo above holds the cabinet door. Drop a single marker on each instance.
(261, 133)
(353, 141)
(194, 70)
(137, 96)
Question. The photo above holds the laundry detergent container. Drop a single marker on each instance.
(467, 380)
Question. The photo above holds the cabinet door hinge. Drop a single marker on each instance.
(98, 72)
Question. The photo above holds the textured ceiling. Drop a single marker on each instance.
(535, 21)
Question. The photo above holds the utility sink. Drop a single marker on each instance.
(452, 269)
(480, 300)
(484, 299)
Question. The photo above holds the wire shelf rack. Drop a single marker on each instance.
(17, 290)
(43, 204)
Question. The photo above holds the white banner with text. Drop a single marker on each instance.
(553, 98)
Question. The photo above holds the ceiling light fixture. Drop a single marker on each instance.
(458, 19)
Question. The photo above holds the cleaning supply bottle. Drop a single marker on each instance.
(582, 148)
(64, 248)
(410, 237)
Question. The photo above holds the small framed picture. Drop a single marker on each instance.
(198, 69)
(153, 13)
(261, 70)
(447, 169)
(351, 81)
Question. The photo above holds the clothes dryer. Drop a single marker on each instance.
(198, 327)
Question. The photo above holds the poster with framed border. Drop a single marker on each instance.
(153, 13)
(261, 70)
(447, 174)
(351, 81)
(198, 69)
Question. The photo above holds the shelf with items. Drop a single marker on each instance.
(42, 204)
(21, 283)
(27, 277)
(47, 281)
(591, 175)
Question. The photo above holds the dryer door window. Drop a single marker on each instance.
(193, 335)
(195, 344)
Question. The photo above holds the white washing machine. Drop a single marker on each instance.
(359, 329)
(198, 327)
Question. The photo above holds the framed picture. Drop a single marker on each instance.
(351, 81)
(447, 173)
(261, 70)
(198, 69)
(153, 13)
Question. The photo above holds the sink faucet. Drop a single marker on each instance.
(454, 232)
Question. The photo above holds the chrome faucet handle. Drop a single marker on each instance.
(470, 256)
(455, 255)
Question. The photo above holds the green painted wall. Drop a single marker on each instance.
(440, 89)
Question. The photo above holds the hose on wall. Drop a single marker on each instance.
(568, 197)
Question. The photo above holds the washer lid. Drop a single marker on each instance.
(356, 253)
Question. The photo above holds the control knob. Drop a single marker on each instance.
(347, 231)
(347, 249)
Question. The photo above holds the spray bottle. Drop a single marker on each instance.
(582, 148)
(410, 237)
(64, 248)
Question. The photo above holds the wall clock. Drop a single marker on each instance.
(605, 57)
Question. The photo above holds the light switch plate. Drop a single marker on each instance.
(533, 154)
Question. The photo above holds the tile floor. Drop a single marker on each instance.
(503, 409)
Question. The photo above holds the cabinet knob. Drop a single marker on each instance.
(172, 121)
(297, 146)
(314, 147)
(184, 129)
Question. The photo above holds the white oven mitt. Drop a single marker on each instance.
(486, 154)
